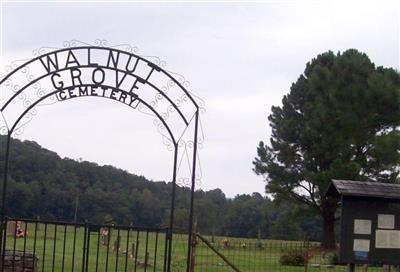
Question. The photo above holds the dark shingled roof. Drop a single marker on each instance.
(365, 188)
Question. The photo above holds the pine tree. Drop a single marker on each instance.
(340, 120)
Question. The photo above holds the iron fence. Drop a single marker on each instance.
(33, 245)
(36, 245)
(251, 255)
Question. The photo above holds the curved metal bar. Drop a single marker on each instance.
(91, 85)
(154, 67)
(184, 89)
(173, 104)
(103, 48)
(102, 67)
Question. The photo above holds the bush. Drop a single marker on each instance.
(294, 257)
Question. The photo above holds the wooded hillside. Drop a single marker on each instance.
(45, 185)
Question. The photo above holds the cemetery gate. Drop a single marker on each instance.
(39, 245)
(119, 74)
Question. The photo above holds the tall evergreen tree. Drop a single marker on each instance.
(340, 120)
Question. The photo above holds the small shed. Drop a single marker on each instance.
(369, 222)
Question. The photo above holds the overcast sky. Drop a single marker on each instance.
(241, 58)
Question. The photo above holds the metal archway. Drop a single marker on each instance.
(107, 72)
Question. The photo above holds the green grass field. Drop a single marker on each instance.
(61, 248)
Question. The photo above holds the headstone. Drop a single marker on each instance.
(133, 252)
(11, 225)
(15, 261)
(116, 244)
(104, 236)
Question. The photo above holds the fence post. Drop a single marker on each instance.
(351, 268)
(386, 268)
(38, 219)
(307, 254)
(193, 245)
(146, 259)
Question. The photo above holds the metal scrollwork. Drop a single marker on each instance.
(154, 102)
(27, 119)
(200, 137)
(50, 101)
(183, 181)
(165, 139)
(142, 109)
(200, 102)
(101, 42)
(170, 84)
(171, 100)
(14, 65)
(156, 60)
(3, 130)
(126, 47)
(43, 50)
(181, 79)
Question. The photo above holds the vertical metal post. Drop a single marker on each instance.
(3, 223)
(171, 219)
(84, 246)
(87, 249)
(5, 176)
(189, 256)
(3, 245)
(351, 268)
(165, 251)
(193, 245)
(386, 268)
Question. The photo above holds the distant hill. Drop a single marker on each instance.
(41, 184)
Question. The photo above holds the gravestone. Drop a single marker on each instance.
(11, 228)
(19, 261)
(117, 244)
(133, 251)
(104, 236)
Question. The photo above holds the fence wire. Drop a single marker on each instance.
(250, 255)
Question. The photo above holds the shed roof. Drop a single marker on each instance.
(365, 189)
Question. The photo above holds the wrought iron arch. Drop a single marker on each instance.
(73, 87)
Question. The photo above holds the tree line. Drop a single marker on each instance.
(41, 184)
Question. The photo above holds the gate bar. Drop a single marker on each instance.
(3, 224)
(171, 219)
(218, 253)
(189, 256)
